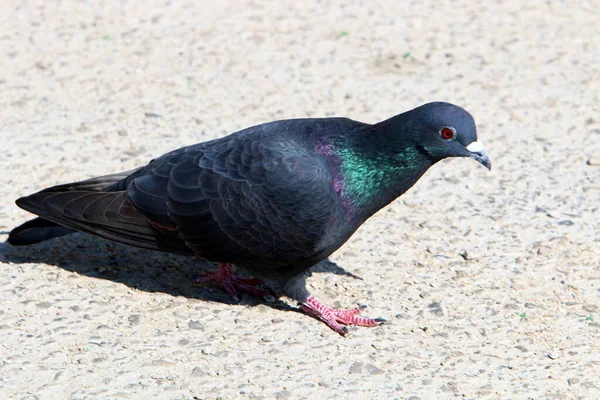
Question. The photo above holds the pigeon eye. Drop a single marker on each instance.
(448, 133)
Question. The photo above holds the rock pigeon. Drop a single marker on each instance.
(273, 199)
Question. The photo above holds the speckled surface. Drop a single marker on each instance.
(490, 281)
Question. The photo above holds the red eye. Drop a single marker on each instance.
(448, 133)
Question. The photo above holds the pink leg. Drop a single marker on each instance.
(334, 318)
(232, 284)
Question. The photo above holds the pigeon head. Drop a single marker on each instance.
(445, 130)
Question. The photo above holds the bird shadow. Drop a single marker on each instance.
(137, 268)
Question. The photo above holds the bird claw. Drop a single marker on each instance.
(232, 284)
(335, 318)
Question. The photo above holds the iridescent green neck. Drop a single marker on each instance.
(373, 178)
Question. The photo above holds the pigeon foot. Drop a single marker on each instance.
(335, 318)
(232, 284)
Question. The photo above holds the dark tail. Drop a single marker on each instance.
(109, 215)
(35, 231)
(40, 229)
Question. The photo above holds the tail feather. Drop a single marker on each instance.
(39, 229)
(106, 214)
(35, 231)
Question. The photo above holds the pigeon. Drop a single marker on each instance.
(273, 199)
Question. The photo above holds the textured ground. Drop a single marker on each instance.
(490, 281)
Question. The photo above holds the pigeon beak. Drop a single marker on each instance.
(478, 153)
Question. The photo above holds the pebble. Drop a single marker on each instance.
(134, 319)
(356, 367)
(436, 309)
(373, 370)
(198, 372)
(194, 324)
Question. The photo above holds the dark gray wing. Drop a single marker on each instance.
(249, 198)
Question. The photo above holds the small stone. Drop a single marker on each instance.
(284, 394)
(196, 325)
(198, 372)
(373, 370)
(490, 311)
(590, 308)
(449, 387)
(573, 381)
(163, 363)
(436, 309)
(544, 250)
(356, 368)
(263, 308)
(566, 222)
(58, 375)
(553, 355)
(134, 319)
